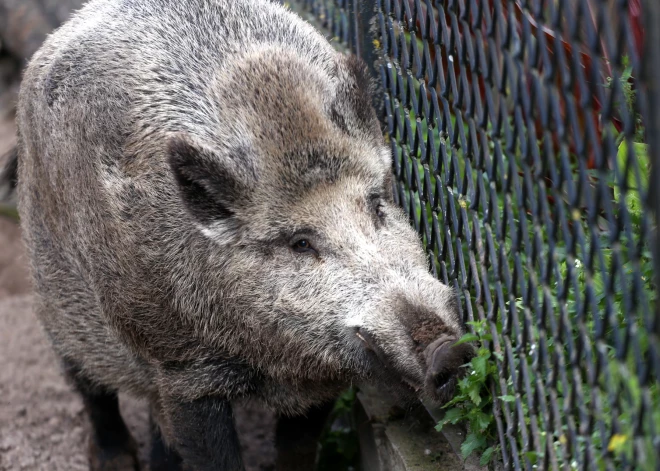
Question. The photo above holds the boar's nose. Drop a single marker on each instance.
(444, 363)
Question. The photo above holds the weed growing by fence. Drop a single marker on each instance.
(339, 441)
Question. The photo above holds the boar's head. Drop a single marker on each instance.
(321, 280)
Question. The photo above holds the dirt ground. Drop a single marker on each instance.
(42, 425)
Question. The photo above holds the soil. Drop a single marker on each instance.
(42, 422)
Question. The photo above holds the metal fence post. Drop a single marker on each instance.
(651, 71)
(363, 13)
(651, 77)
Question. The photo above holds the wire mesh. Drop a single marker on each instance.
(520, 155)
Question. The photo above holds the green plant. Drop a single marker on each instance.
(339, 441)
(636, 166)
(626, 81)
(473, 402)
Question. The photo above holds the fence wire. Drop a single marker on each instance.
(517, 129)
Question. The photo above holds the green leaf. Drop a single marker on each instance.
(633, 199)
(467, 338)
(478, 325)
(452, 416)
(479, 364)
(487, 455)
(508, 398)
(532, 456)
(475, 393)
(464, 384)
(456, 400)
(480, 421)
(474, 441)
(483, 352)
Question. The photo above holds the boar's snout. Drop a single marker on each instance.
(419, 347)
(444, 363)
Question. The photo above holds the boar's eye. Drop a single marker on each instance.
(376, 204)
(379, 211)
(303, 246)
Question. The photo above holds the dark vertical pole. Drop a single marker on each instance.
(365, 33)
(364, 13)
(356, 29)
(651, 77)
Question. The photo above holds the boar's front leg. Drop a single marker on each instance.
(203, 433)
(111, 446)
(162, 457)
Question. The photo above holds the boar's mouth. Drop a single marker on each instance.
(379, 355)
(444, 365)
(444, 362)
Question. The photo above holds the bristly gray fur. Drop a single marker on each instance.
(170, 153)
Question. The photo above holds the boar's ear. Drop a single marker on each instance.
(210, 183)
(353, 107)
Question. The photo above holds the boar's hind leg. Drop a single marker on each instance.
(203, 433)
(296, 439)
(111, 446)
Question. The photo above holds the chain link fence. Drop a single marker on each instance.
(519, 133)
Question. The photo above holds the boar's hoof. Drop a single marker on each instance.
(444, 362)
(115, 458)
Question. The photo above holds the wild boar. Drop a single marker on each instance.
(206, 199)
